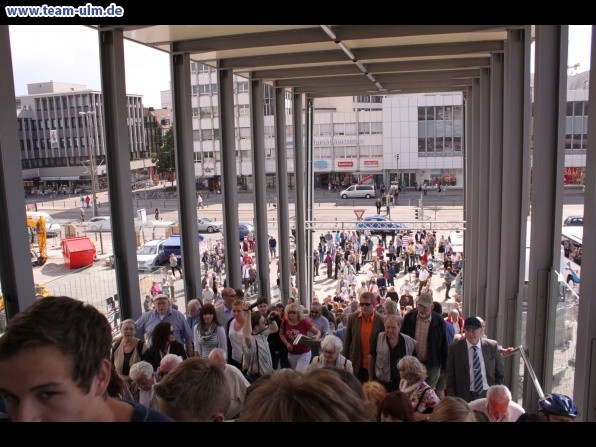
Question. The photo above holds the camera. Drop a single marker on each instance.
(253, 305)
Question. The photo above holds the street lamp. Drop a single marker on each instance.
(89, 140)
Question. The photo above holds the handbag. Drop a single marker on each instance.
(252, 377)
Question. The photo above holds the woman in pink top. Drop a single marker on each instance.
(295, 324)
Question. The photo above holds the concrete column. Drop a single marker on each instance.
(225, 90)
(482, 186)
(494, 181)
(113, 86)
(515, 195)
(283, 214)
(15, 269)
(303, 256)
(310, 188)
(257, 127)
(472, 197)
(185, 175)
(550, 89)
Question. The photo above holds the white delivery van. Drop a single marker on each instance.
(358, 191)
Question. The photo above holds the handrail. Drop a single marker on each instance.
(524, 355)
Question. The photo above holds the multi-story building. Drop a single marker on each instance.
(415, 139)
(60, 127)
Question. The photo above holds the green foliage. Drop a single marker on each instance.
(164, 158)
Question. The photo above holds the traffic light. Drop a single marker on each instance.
(416, 214)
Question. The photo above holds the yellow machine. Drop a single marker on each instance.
(39, 225)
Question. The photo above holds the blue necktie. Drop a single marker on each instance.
(478, 388)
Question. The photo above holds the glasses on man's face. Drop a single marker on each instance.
(312, 312)
(366, 304)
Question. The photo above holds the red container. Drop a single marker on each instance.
(78, 252)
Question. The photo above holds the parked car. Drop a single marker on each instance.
(376, 224)
(574, 221)
(208, 225)
(246, 228)
(358, 191)
(52, 227)
(169, 246)
(99, 223)
(148, 255)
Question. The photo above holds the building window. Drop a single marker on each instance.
(195, 112)
(194, 90)
(242, 87)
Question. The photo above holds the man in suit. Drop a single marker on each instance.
(474, 363)
(363, 327)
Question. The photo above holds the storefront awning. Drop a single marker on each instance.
(72, 177)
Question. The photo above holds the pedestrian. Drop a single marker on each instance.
(171, 280)
(174, 265)
(200, 201)
(88, 201)
(82, 201)
(82, 215)
(378, 205)
(388, 209)
(156, 213)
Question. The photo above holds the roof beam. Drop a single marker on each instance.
(375, 67)
(382, 78)
(351, 32)
(253, 40)
(365, 86)
(317, 35)
(364, 54)
(404, 91)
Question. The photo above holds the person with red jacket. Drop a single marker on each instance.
(456, 320)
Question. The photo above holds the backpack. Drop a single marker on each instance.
(252, 273)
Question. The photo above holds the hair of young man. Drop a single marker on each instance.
(77, 330)
(195, 389)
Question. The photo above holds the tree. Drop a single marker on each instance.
(164, 158)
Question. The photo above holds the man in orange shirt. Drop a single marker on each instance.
(363, 327)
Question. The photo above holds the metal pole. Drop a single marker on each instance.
(89, 140)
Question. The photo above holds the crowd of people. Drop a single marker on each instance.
(256, 362)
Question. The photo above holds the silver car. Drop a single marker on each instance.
(208, 225)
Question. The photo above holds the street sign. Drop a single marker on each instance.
(359, 214)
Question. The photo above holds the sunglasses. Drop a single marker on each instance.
(292, 312)
(366, 304)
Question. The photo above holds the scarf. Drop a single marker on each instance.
(119, 355)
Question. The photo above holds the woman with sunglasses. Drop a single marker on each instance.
(163, 342)
(295, 324)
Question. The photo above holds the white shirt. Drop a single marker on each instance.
(513, 412)
(471, 365)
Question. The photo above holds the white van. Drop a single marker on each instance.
(147, 255)
(358, 191)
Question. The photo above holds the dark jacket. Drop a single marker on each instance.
(352, 346)
(153, 356)
(458, 367)
(437, 338)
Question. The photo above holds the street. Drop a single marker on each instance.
(96, 283)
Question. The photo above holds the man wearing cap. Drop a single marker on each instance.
(162, 311)
(428, 329)
(474, 363)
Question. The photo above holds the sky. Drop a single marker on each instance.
(69, 53)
